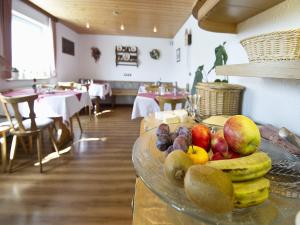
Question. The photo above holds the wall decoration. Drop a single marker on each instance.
(96, 53)
(155, 54)
(68, 46)
(188, 37)
(178, 55)
(126, 55)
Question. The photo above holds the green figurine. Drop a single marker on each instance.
(198, 78)
(221, 57)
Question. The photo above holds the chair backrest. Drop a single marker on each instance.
(15, 113)
(152, 88)
(162, 101)
(168, 87)
(66, 85)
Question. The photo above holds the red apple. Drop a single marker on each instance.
(217, 156)
(231, 155)
(241, 134)
(218, 142)
(201, 136)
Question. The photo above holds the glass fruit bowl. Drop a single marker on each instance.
(148, 162)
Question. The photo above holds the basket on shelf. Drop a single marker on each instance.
(219, 99)
(275, 46)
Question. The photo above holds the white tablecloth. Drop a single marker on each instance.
(143, 106)
(63, 106)
(100, 90)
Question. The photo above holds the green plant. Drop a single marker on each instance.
(198, 78)
(14, 70)
(221, 59)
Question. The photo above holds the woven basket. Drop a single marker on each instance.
(219, 99)
(276, 46)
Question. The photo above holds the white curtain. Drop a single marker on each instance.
(51, 47)
(32, 47)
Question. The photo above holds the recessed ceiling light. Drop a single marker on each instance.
(122, 27)
(87, 25)
(115, 13)
(154, 29)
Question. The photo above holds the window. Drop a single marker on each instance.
(32, 47)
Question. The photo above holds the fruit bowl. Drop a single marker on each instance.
(148, 162)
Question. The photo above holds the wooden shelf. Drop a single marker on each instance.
(122, 51)
(280, 69)
(224, 15)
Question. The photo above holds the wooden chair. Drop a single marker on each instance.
(66, 86)
(152, 88)
(162, 101)
(31, 127)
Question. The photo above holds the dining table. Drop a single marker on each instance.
(60, 105)
(146, 103)
(99, 91)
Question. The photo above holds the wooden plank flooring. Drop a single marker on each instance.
(92, 186)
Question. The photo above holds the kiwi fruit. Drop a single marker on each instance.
(209, 188)
(175, 166)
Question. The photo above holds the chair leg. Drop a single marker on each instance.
(12, 152)
(38, 146)
(78, 120)
(23, 144)
(90, 112)
(50, 129)
(30, 143)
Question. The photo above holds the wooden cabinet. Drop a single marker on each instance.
(224, 15)
(126, 55)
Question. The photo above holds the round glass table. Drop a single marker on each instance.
(281, 207)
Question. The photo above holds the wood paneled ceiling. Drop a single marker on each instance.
(106, 16)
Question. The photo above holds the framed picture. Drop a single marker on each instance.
(178, 55)
(68, 47)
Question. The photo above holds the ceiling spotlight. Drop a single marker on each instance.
(122, 27)
(116, 13)
(154, 29)
(87, 25)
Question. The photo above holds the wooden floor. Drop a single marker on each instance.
(94, 185)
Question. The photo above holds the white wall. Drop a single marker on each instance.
(274, 101)
(201, 52)
(106, 69)
(66, 65)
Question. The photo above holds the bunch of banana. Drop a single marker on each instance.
(250, 188)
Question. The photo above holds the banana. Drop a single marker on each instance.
(245, 168)
(252, 192)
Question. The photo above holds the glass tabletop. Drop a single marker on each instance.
(280, 208)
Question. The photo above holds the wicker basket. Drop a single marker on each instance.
(219, 99)
(276, 46)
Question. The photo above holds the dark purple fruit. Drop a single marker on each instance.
(182, 131)
(180, 143)
(170, 149)
(163, 142)
(162, 129)
(173, 135)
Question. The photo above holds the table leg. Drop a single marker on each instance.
(63, 133)
(97, 104)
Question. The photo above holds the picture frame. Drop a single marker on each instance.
(68, 47)
(178, 55)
